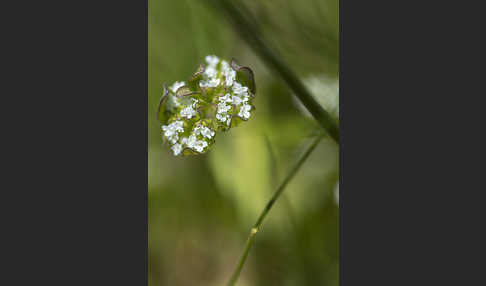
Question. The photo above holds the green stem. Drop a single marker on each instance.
(267, 208)
(251, 34)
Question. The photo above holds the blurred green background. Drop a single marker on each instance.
(201, 208)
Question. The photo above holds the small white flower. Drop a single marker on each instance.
(177, 85)
(194, 144)
(222, 117)
(184, 141)
(188, 112)
(194, 102)
(224, 66)
(212, 60)
(225, 98)
(189, 141)
(212, 82)
(238, 100)
(228, 72)
(204, 131)
(223, 108)
(171, 130)
(208, 133)
(239, 89)
(229, 79)
(245, 111)
(200, 145)
(176, 148)
(165, 127)
(178, 126)
(171, 137)
(210, 72)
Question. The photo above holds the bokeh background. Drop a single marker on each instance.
(201, 208)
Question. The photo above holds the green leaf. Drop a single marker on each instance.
(244, 75)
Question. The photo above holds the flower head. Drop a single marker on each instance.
(211, 100)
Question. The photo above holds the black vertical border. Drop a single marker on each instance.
(76, 168)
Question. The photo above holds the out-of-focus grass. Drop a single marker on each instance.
(201, 208)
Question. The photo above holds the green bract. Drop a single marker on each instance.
(217, 97)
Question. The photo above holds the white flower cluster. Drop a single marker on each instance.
(239, 100)
(211, 102)
(204, 131)
(245, 111)
(223, 109)
(228, 73)
(190, 111)
(210, 75)
(193, 142)
(171, 131)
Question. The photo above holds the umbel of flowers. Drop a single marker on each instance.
(216, 98)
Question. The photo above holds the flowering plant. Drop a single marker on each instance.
(216, 98)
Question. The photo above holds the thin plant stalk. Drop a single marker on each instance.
(271, 202)
(274, 172)
(248, 30)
